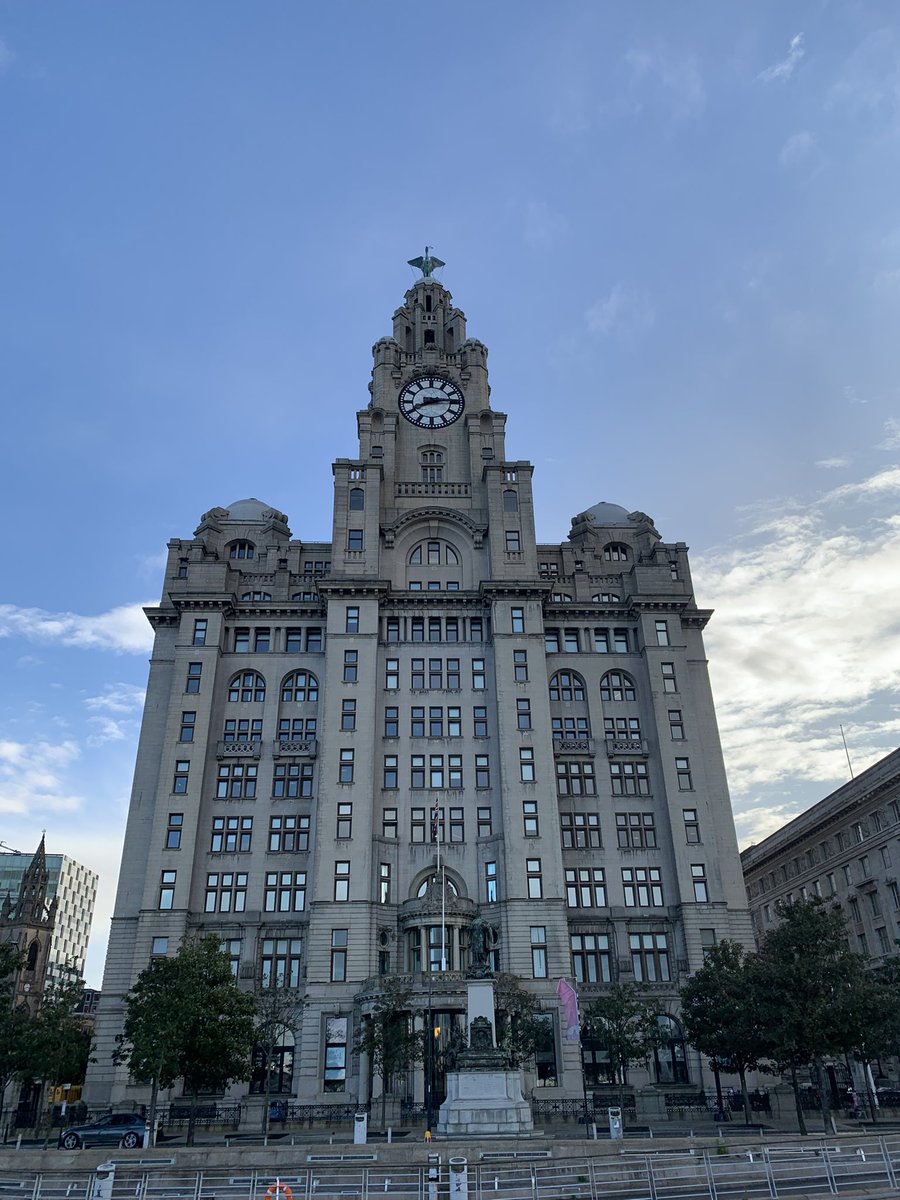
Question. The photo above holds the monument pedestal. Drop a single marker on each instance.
(484, 1102)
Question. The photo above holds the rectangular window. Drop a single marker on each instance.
(622, 729)
(570, 729)
(391, 722)
(478, 683)
(292, 781)
(520, 666)
(453, 675)
(389, 823)
(601, 641)
(591, 959)
(476, 630)
(642, 887)
(534, 879)
(183, 568)
(530, 818)
(636, 831)
(390, 777)
(894, 892)
(539, 951)
(551, 641)
(344, 828)
(482, 771)
(579, 831)
(517, 620)
(662, 633)
(513, 541)
(242, 730)
(159, 948)
(180, 782)
(575, 779)
(435, 673)
(345, 770)
(523, 714)
(173, 831)
(262, 640)
(434, 629)
(167, 890)
(384, 883)
(417, 629)
(392, 674)
(698, 878)
(200, 630)
(314, 639)
(436, 771)
(354, 539)
(351, 666)
(338, 975)
(620, 641)
(231, 835)
(454, 722)
(649, 957)
(242, 640)
(683, 771)
(676, 725)
(570, 641)
(490, 882)
(284, 891)
(480, 725)
(485, 821)
(691, 826)
(293, 641)
(192, 683)
(348, 715)
(526, 764)
(236, 781)
(280, 962)
(417, 826)
(668, 677)
(342, 880)
(585, 887)
(226, 891)
(435, 721)
(351, 620)
(707, 941)
(288, 834)
(417, 771)
(392, 629)
(454, 772)
(629, 779)
(452, 629)
(188, 724)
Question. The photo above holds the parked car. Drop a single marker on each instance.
(115, 1129)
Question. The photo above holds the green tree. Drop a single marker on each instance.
(721, 1015)
(520, 1029)
(807, 987)
(14, 1022)
(186, 1018)
(57, 1043)
(387, 1036)
(625, 1021)
(876, 1019)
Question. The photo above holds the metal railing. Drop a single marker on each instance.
(769, 1171)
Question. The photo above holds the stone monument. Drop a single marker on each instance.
(484, 1097)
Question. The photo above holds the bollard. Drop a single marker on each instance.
(615, 1123)
(434, 1174)
(360, 1128)
(459, 1179)
(104, 1179)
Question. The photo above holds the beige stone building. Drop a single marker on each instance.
(350, 748)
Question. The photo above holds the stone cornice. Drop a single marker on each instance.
(518, 589)
(336, 586)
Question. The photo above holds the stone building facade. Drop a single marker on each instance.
(27, 920)
(350, 749)
(74, 887)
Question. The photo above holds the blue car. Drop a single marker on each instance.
(115, 1129)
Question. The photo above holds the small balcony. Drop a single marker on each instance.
(238, 749)
(295, 748)
(616, 747)
(573, 745)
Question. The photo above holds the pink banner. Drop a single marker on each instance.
(569, 1000)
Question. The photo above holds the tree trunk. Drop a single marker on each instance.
(867, 1077)
(151, 1116)
(746, 1095)
(801, 1121)
(267, 1093)
(192, 1120)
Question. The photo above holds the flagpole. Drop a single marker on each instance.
(443, 902)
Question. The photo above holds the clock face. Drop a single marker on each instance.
(431, 402)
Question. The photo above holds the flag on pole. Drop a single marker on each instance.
(569, 999)
(435, 823)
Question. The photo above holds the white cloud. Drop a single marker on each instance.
(800, 149)
(623, 312)
(869, 80)
(806, 637)
(125, 701)
(786, 67)
(891, 435)
(678, 78)
(830, 464)
(124, 630)
(117, 698)
(32, 777)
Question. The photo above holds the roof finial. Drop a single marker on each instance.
(426, 263)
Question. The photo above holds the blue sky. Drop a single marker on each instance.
(675, 226)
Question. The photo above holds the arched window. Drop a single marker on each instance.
(247, 687)
(275, 1060)
(31, 964)
(561, 598)
(607, 598)
(616, 685)
(615, 552)
(307, 596)
(300, 687)
(433, 882)
(256, 596)
(566, 685)
(669, 1057)
(357, 500)
(510, 501)
(241, 550)
(434, 554)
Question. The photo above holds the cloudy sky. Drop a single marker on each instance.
(675, 226)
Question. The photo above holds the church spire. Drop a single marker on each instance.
(32, 900)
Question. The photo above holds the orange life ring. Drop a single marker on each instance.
(274, 1188)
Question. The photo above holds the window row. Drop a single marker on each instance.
(433, 629)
